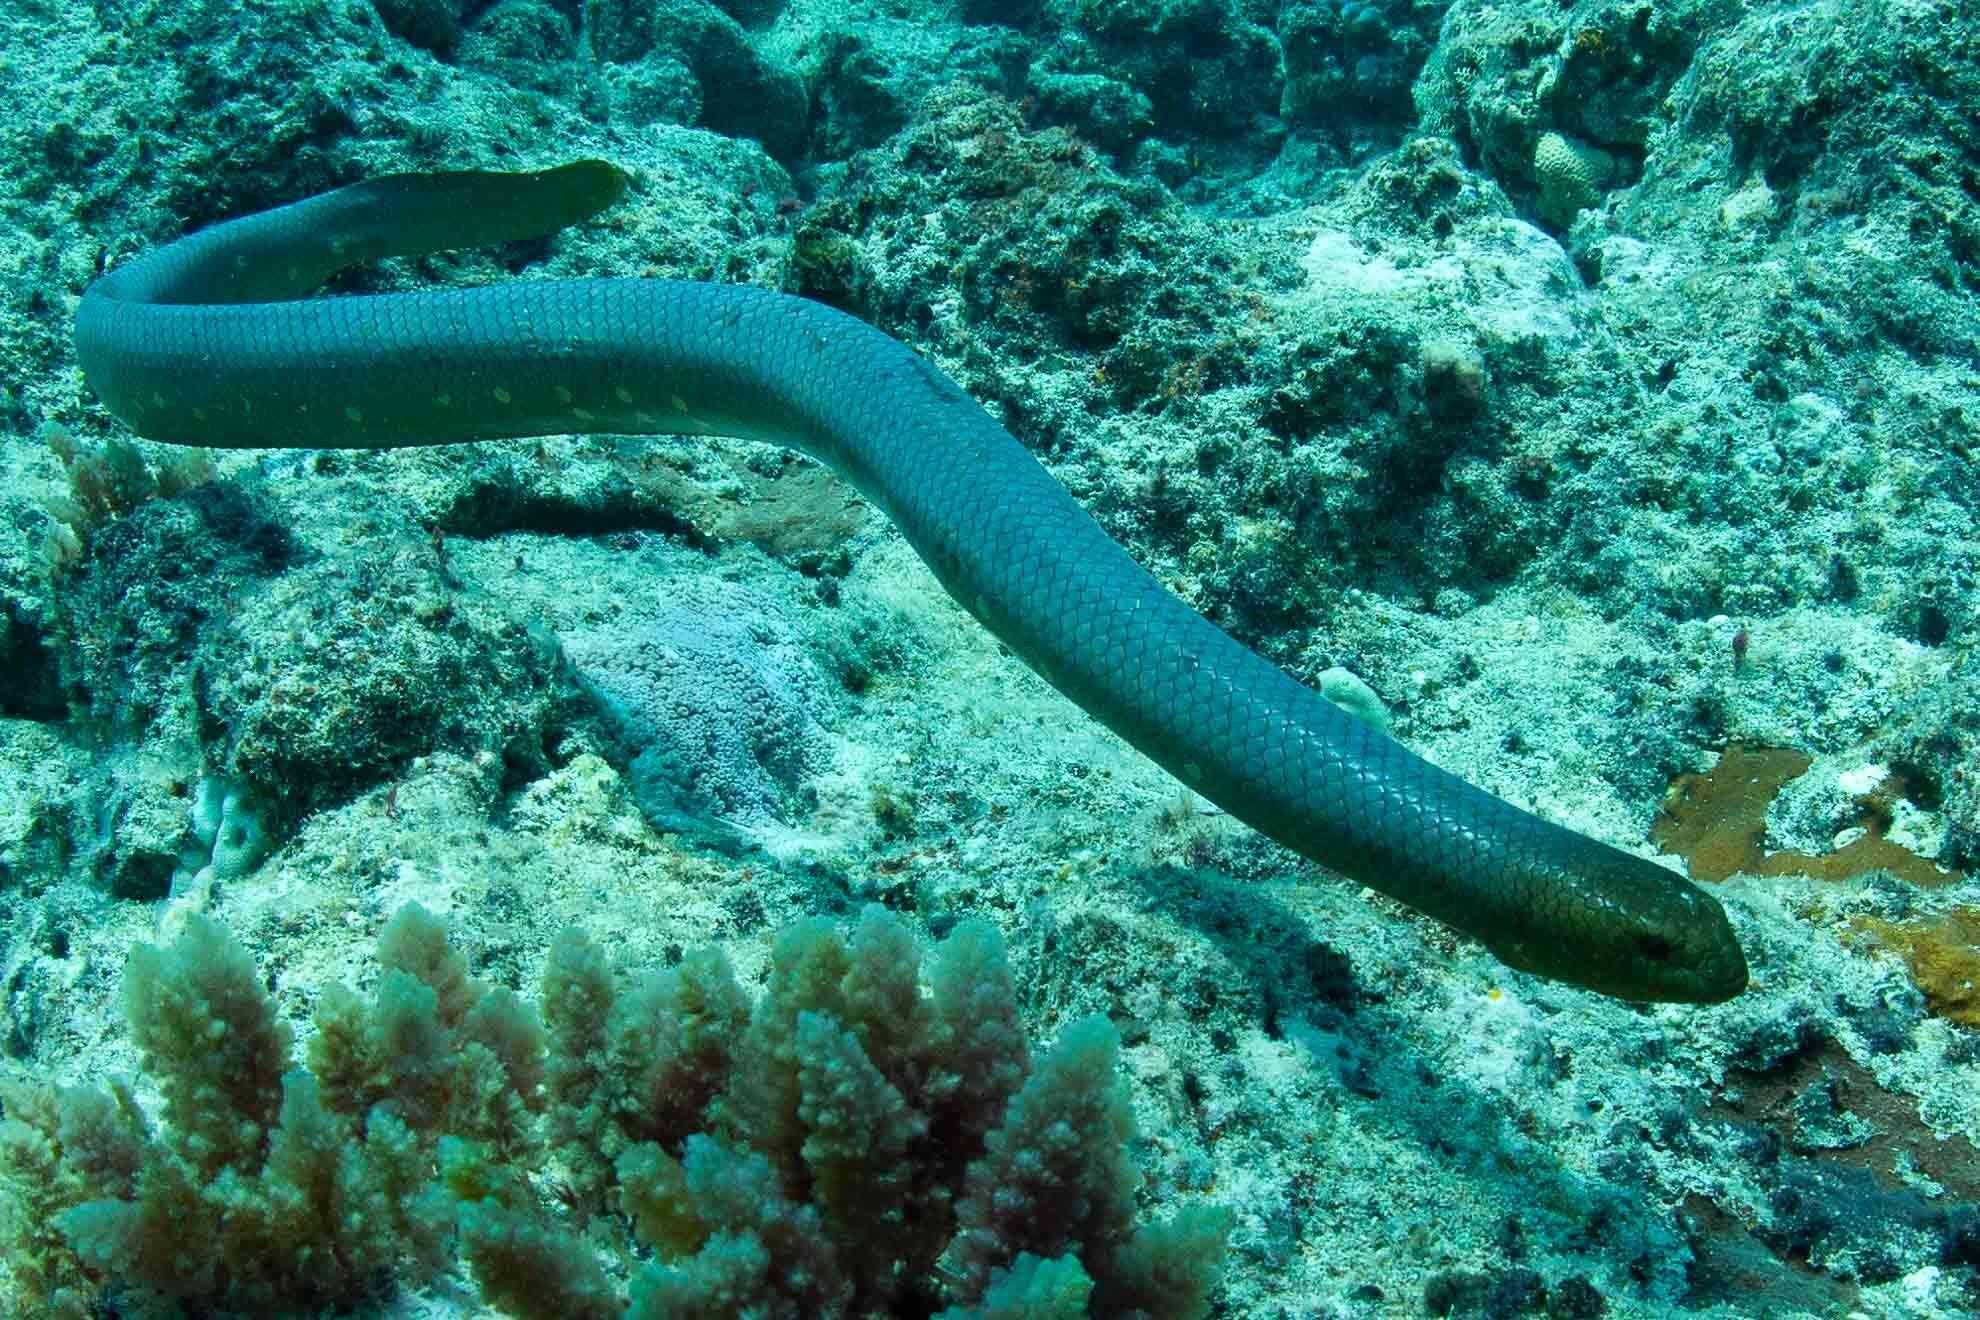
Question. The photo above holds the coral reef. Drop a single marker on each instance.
(1589, 502)
(852, 1143)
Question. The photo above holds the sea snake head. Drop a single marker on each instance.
(1626, 927)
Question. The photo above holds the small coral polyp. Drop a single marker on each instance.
(228, 836)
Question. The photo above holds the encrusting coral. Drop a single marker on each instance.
(853, 1142)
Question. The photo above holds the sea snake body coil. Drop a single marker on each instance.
(210, 341)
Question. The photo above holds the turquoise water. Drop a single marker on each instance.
(1596, 385)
